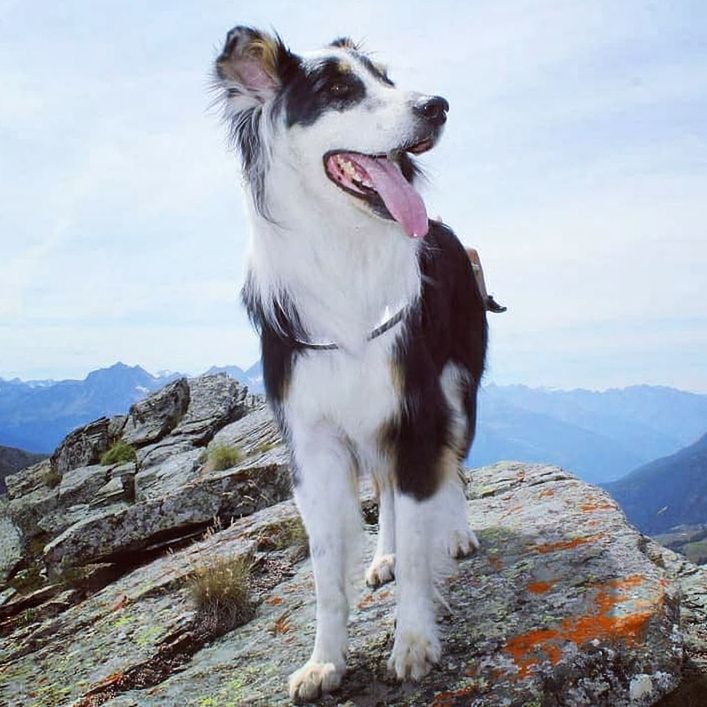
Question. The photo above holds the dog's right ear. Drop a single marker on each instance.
(252, 66)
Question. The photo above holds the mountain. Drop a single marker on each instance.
(599, 435)
(667, 492)
(36, 415)
(12, 460)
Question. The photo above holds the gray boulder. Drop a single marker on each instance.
(82, 447)
(153, 418)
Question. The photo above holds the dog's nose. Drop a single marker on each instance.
(433, 109)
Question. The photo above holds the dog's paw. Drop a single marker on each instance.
(413, 655)
(380, 571)
(313, 680)
(463, 543)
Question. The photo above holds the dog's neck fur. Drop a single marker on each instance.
(341, 269)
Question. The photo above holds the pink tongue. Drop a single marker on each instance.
(403, 202)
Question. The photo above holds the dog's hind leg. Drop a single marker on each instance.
(456, 386)
(326, 494)
(382, 567)
(461, 539)
(421, 562)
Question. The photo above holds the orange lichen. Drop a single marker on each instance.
(547, 493)
(274, 601)
(495, 562)
(566, 544)
(447, 699)
(122, 602)
(282, 625)
(373, 597)
(540, 587)
(603, 622)
(596, 506)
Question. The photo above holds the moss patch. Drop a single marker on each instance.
(119, 453)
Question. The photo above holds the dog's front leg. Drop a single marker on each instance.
(325, 492)
(420, 561)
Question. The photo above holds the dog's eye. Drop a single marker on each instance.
(338, 88)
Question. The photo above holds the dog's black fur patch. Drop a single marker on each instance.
(448, 325)
(325, 87)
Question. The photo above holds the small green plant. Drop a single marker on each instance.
(51, 478)
(224, 456)
(120, 452)
(220, 589)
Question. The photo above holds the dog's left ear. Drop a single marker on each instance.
(252, 66)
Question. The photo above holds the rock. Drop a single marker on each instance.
(27, 480)
(80, 485)
(170, 513)
(154, 417)
(28, 510)
(83, 447)
(214, 401)
(257, 436)
(10, 546)
(111, 492)
(565, 605)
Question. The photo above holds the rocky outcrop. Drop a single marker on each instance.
(565, 604)
(84, 512)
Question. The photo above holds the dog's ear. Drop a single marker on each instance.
(252, 66)
(345, 43)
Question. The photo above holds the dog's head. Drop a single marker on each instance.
(335, 117)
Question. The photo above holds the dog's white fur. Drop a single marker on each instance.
(344, 270)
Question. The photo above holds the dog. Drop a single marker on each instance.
(373, 330)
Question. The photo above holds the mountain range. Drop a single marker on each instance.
(601, 436)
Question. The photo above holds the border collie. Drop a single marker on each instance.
(372, 327)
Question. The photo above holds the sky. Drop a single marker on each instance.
(574, 160)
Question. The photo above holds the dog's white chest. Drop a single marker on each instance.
(357, 394)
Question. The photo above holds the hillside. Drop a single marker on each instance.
(12, 460)
(602, 436)
(667, 492)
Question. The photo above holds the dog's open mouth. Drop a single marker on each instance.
(379, 181)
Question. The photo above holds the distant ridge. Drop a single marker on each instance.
(667, 492)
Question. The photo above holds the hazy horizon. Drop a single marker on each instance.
(574, 159)
(484, 383)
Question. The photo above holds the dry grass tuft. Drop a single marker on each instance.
(224, 456)
(289, 534)
(220, 589)
(51, 478)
